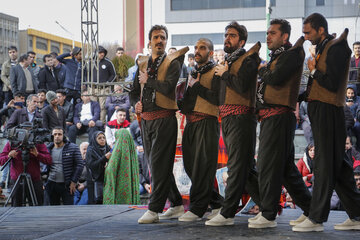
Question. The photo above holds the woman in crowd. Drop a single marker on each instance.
(122, 172)
(97, 155)
(305, 165)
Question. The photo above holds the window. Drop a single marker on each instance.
(55, 47)
(320, 2)
(66, 48)
(216, 38)
(41, 43)
(178, 5)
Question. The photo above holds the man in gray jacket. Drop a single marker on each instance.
(5, 73)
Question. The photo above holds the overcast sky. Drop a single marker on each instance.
(42, 14)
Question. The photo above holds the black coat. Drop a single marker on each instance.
(20, 116)
(50, 118)
(47, 80)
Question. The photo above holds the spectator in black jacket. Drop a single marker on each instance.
(106, 74)
(17, 103)
(47, 75)
(67, 106)
(97, 155)
(65, 170)
(53, 115)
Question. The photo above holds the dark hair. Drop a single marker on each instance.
(316, 21)
(120, 49)
(57, 128)
(54, 54)
(121, 110)
(309, 146)
(31, 52)
(61, 91)
(209, 43)
(356, 43)
(19, 94)
(46, 56)
(23, 57)
(191, 55)
(42, 90)
(12, 48)
(350, 139)
(284, 26)
(241, 29)
(158, 27)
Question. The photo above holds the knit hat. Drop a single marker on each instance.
(102, 50)
(50, 95)
(75, 51)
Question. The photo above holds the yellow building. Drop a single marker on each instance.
(43, 43)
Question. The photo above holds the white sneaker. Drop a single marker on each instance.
(213, 213)
(173, 212)
(262, 222)
(298, 220)
(308, 226)
(349, 224)
(253, 219)
(189, 217)
(149, 217)
(220, 220)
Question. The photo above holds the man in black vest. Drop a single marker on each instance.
(200, 140)
(154, 94)
(326, 97)
(276, 101)
(238, 121)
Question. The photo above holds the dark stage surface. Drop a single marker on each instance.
(120, 222)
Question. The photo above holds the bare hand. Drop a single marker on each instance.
(140, 148)
(12, 154)
(147, 187)
(311, 64)
(117, 107)
(220, 69)
(261, 65)
(72, 188)
(81, 187)
(143, 77)
(138, 107)
(108, 155)
(192, 80)
(11, 103)
(69, 123)
(91, 123)
(78, 125)
(34, 152)
(349, 104)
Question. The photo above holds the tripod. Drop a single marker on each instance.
(24, 181)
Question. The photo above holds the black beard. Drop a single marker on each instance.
(229, 49)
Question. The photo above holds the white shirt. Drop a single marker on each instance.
(85, 113)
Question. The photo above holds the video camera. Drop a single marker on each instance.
(27, 135)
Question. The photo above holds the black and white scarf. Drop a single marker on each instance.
(203, 69)
(231, 58)
(153, 67)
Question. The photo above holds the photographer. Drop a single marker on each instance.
(25, 114)
(65, 170)
(36, 154)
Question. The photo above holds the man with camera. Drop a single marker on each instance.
(25, 114)
(38, 153)
(65, 170)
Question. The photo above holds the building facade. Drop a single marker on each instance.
(9, 35)
(43, 43)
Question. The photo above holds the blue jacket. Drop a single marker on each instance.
(72, 161)
(73, 72)
(60, 72)
(95, 111)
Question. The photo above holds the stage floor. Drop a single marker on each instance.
(120, 222)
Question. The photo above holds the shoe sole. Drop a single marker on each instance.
(189, 220)
(148, 222)
(171, 217)
(317, 229)
(218, 224)
(251, 225)
(293, 223)
(347, 228)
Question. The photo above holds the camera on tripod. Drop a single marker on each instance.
(27, 135)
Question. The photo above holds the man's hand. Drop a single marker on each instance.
(11, 103)
(72, 188)
(143, 77)
(117, 107)
(192, 80)
(12, 154)
(69, 123)
(78, 125)
(220, 69)
(108, 155)
(92, 123)
(147, 187)
(81, 187)
(34, 152)
(138, 107)
(311, 64)
(140, 148)
(349, 104)
(261, 65)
